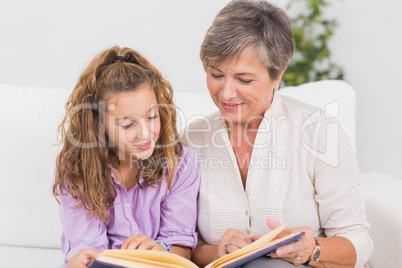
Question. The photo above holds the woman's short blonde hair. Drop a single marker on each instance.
(253, 24)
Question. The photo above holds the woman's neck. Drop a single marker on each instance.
(243, 128)
(241, 134)
(250, 127)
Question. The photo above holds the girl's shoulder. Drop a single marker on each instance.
(187, 157)
(187, 169)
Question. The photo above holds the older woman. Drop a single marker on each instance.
(253, 153)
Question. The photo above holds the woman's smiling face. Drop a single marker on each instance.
(241, 87)
(132, 123)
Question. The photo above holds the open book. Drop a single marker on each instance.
(258, 248)
(153, 259)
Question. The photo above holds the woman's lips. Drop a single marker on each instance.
(144, 146)
(231, 106)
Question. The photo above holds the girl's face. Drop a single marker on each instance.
(132, 123)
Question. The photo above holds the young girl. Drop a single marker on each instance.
(123, 179)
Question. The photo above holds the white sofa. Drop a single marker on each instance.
(29, 222)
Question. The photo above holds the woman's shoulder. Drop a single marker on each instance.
(301, 113)
(199, 131)
(295, 106)
(204, 121)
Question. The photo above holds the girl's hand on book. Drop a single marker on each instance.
(231, 241)
(297, 252)
(83, 258)
(141, 242)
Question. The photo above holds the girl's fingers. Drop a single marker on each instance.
(133, 241)
(141, 242)
(83, 258)
(157, 246)
(146, 244)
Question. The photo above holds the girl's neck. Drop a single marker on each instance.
(128, 174)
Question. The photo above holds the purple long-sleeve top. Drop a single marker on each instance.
(147, 211)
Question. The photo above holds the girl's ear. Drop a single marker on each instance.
(90, 127)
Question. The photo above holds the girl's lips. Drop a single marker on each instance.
(230, 106)
(144, 146)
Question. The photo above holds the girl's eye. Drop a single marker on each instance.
(216, 75)
(245, 81)
(127, 126)
(153, 117)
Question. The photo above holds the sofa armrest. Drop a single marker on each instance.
(383, 197)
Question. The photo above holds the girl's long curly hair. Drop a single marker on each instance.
(84, 165)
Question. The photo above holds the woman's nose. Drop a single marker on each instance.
(228, 90)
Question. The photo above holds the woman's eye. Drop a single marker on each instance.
(245, 81)
(216, 75)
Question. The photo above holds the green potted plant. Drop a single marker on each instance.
(312, 60)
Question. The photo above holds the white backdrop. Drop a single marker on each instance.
(48, 43)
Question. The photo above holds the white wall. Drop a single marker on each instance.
(48, 43)
(369, 45)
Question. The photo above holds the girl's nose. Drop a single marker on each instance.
(145, 132)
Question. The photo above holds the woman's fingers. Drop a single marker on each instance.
(292, 254)
(273, 224)
(232, 240)
(256, 237)
(237, 234)
(235, 244)
(299, 251)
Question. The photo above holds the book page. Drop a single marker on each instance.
(151, 257)
(130, 262)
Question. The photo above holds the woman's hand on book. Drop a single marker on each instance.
(297, 252)
(231, 241)
(141, 242)
(83, 258)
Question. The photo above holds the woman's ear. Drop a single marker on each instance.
(281, 74)
(277, 83)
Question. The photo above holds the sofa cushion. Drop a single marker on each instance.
(18, 257)
(382, 195)
(29, 121)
